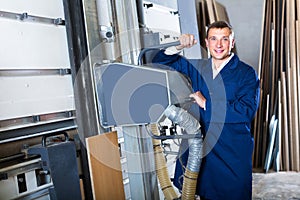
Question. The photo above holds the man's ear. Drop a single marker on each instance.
(232, 43)
(206, 42)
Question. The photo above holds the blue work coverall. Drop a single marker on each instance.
(232, 99)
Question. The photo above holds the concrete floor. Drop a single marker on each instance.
(276, 186)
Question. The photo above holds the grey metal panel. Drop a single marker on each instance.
(162, 19)
(127, 95)
(189, 24)
(52, 8)
(26, 45)
(34, 52)
(35, 95)
(134, 95)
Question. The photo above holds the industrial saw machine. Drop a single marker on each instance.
(140, 95)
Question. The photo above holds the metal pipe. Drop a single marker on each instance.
(128, 30)
(140, 12)
(108, 27)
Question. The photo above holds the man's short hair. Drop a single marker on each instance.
(220, 24)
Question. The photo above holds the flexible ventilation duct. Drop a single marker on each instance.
(161, 168)
(191, 126)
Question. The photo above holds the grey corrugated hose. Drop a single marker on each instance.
(190, 126)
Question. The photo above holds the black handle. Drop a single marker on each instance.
(161, 46)
(53, 134)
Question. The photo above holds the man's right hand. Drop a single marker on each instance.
(186, 41)
(199, 99)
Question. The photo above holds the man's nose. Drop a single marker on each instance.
(219, 43)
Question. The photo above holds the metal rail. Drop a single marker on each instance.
(31, 18)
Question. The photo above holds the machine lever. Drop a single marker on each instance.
(161, 46)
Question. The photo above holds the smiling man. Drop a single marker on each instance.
(227, 95)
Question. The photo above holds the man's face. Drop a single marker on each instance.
(219, 43)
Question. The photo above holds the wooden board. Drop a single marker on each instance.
(264, 79)
(202, 22)
(285, 135)
(211, 12)
(290, 130)
(221, 12)
(259, 71)
(273, 71)
(204, 13)
(293, 84)
(283, 31)
(105, 166)
(280, 63)
(214, 5)
(298, 64)
(257, 133)
(278, 147)
(294, 117)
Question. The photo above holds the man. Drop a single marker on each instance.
(227, 95)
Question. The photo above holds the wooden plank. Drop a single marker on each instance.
(285, 154)
(259, 118)
(273, 71)
(221, 12)
(294, 113)
(273, 65)
(211, 12)
(298, 64)
(214, 4)
(105, 166)
(202, 23)
(258, 135)
(288, 81)
(266, 81)
(294, 92)
(204, 12)
(278, 149)
(284, 145)
(282, 36)
(298, 10)
(262, 37)
(290, 130)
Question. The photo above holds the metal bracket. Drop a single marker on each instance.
(107, 33)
